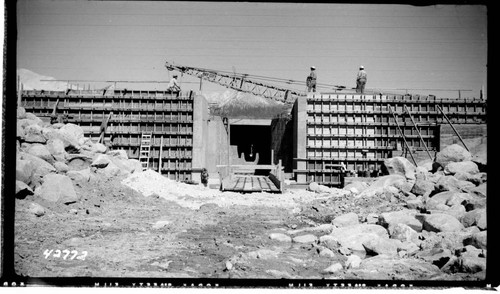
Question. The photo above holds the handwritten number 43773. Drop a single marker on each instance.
(65, 254)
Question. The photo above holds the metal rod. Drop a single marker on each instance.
(402, 134)
(456, 132)
(418, 131)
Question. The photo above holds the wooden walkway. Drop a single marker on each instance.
(250, 184)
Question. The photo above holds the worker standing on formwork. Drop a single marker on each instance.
(361, 80)
(173, 85)
(311, 80)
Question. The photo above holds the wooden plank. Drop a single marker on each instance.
(272, 186)
(247, 186)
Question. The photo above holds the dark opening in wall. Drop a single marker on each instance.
(252, 140)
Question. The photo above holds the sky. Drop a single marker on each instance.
(425, 49)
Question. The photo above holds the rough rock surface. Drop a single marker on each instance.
(57, 188)
(452, 153)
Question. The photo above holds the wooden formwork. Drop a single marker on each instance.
(360, 131)
(168, 117)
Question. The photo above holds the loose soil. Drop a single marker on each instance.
(206, 235)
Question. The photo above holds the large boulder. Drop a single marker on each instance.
(400, 166)
(21, 112)
(476, 217)
(33, 134)
(57, 149)
(101, 161)
(41, 151)
(41, 168)
(402, 232)
(75, 132)
(120, 153)
(405, 216)
(22, 190)
(24, 170)
(448, 183)
(347, 219)
(71, 143)
(387, 184)
(448, 198)
(463, 166)
(57, 188)
(356, 187)
(437, 256)
(84, 175)
(478, 240)
(452, 153)
(422, 187)
(441, 222)
(378, 245)
(480, 190)
(352, 237)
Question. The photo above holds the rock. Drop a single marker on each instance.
(457, 211)
(463, 166)
(280, 237)
(229, 265)
(83, 175)
(422, 187)
(21, 112)
(440, 222)
(402, 232)
(347, 219)
(261, 254)
(470, 250)
(470, 264)
(72, 132)
(448, 183)
(384, 183)
(479, 190)
(41, 151)
(99, 148)
(325, 252)
(415, 203)
(477, 179)
(100, 161)
(33, 134)
(425, 165)
(22, 190)
(160, 224)
(352, 237)
(20, 132)
(333, 268)
(57, 188)
(56, 147)
(437, 256)
(372, 218)
(34, 118)
(452, 153)
(315, 187)
(305, 239)
(405, 216)
(353, 261)
(41, 168)
(356, 187)
(61, 167)
(408, 247)
(376, 246)
(112, 170)
(476, 217)
(455, 240)
(36, 209)
(477, 240)
(400, 166)
(387, 264)
(134, 165)
(24, 171)
(327, 228)
(121, 154)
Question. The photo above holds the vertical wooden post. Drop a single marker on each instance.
(161, 154)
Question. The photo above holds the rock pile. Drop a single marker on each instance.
(51, 158)
(443, 227)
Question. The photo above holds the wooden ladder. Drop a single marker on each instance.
(144, 150)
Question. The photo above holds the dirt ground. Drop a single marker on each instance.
(115, 231)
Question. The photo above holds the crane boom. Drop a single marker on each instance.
(240, 82)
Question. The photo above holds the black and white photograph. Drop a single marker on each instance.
(166, 144)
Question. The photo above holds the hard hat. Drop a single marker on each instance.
(313, 67)
(361, 67)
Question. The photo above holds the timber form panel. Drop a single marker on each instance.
(162, 114)
(360, 130)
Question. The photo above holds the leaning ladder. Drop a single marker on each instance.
(144, 150)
